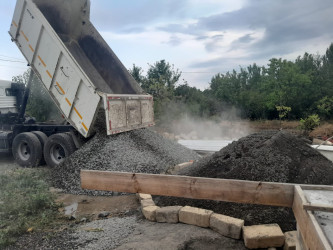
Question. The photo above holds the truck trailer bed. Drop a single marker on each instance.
(77, 67)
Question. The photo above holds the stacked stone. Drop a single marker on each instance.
(258, 236)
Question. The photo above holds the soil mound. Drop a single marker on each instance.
(267, 156)
(140, 151)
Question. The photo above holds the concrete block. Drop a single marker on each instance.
(290, 240)
(147, 203)
(226, 226)
(150, 212)
(263, 236)
(143, 196)
(168, 214)
(195, 216)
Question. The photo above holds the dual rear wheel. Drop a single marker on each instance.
(32, 149)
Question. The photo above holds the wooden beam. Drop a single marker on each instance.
(318, 207)
(251, 192)
(311, 233)
(316, 187)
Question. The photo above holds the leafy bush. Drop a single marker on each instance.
(310, 123)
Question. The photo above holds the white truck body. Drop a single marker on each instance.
(77, 67)
(7, 101)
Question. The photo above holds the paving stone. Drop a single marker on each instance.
(143, 196)
(147, 203)
(290, 240)
(150, 212)
(226, 226)
(195, 216)
(263, 236)
(168, 214)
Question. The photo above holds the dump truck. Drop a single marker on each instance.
(82, 75)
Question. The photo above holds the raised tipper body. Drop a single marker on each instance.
(77, 66)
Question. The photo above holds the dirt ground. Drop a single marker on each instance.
(82, 227)
(123, 228)
(84, 206)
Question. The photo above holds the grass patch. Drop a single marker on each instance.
(25, 203)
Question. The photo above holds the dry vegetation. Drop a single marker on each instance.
(324, 131)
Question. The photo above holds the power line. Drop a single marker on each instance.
(10, 57)
(6, 60)
(12, 67)
(199, 72)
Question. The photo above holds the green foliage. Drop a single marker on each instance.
(283, 111)
(40, 104)
(136, 72)
(159, 81)
(325, 107)
(310, 123)
(27, 203)
(281, 89)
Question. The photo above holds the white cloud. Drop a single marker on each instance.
(201, 37)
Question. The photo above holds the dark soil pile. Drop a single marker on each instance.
(267, 156)
(141, 151)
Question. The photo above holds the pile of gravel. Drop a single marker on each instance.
(140, 151)
(267, 156)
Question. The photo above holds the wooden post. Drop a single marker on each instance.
(309, 229)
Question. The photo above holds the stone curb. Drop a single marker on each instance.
(225, 225)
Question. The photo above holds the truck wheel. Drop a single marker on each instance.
(57, 148)
(27, 150)
(42, 137)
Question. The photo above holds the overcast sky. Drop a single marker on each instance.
(200, 37)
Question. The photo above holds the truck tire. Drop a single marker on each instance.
(57, 148)
(27, 150)
(42, 137)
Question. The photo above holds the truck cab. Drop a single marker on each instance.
(7, 99)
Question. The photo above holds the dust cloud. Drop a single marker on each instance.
(227, 126)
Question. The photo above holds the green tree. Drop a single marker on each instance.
(136, 72)
(325, 107)
(40, 105)
(303, 85)
(160, 82)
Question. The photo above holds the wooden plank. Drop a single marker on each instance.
(316, 187)
(317, 207)
(251, 192)
(310, 230)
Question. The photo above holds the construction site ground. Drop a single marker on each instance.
(115, 221)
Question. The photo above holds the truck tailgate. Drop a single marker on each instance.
(128, 112)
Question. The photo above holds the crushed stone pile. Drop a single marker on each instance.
(140, 151)
(271, 156)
